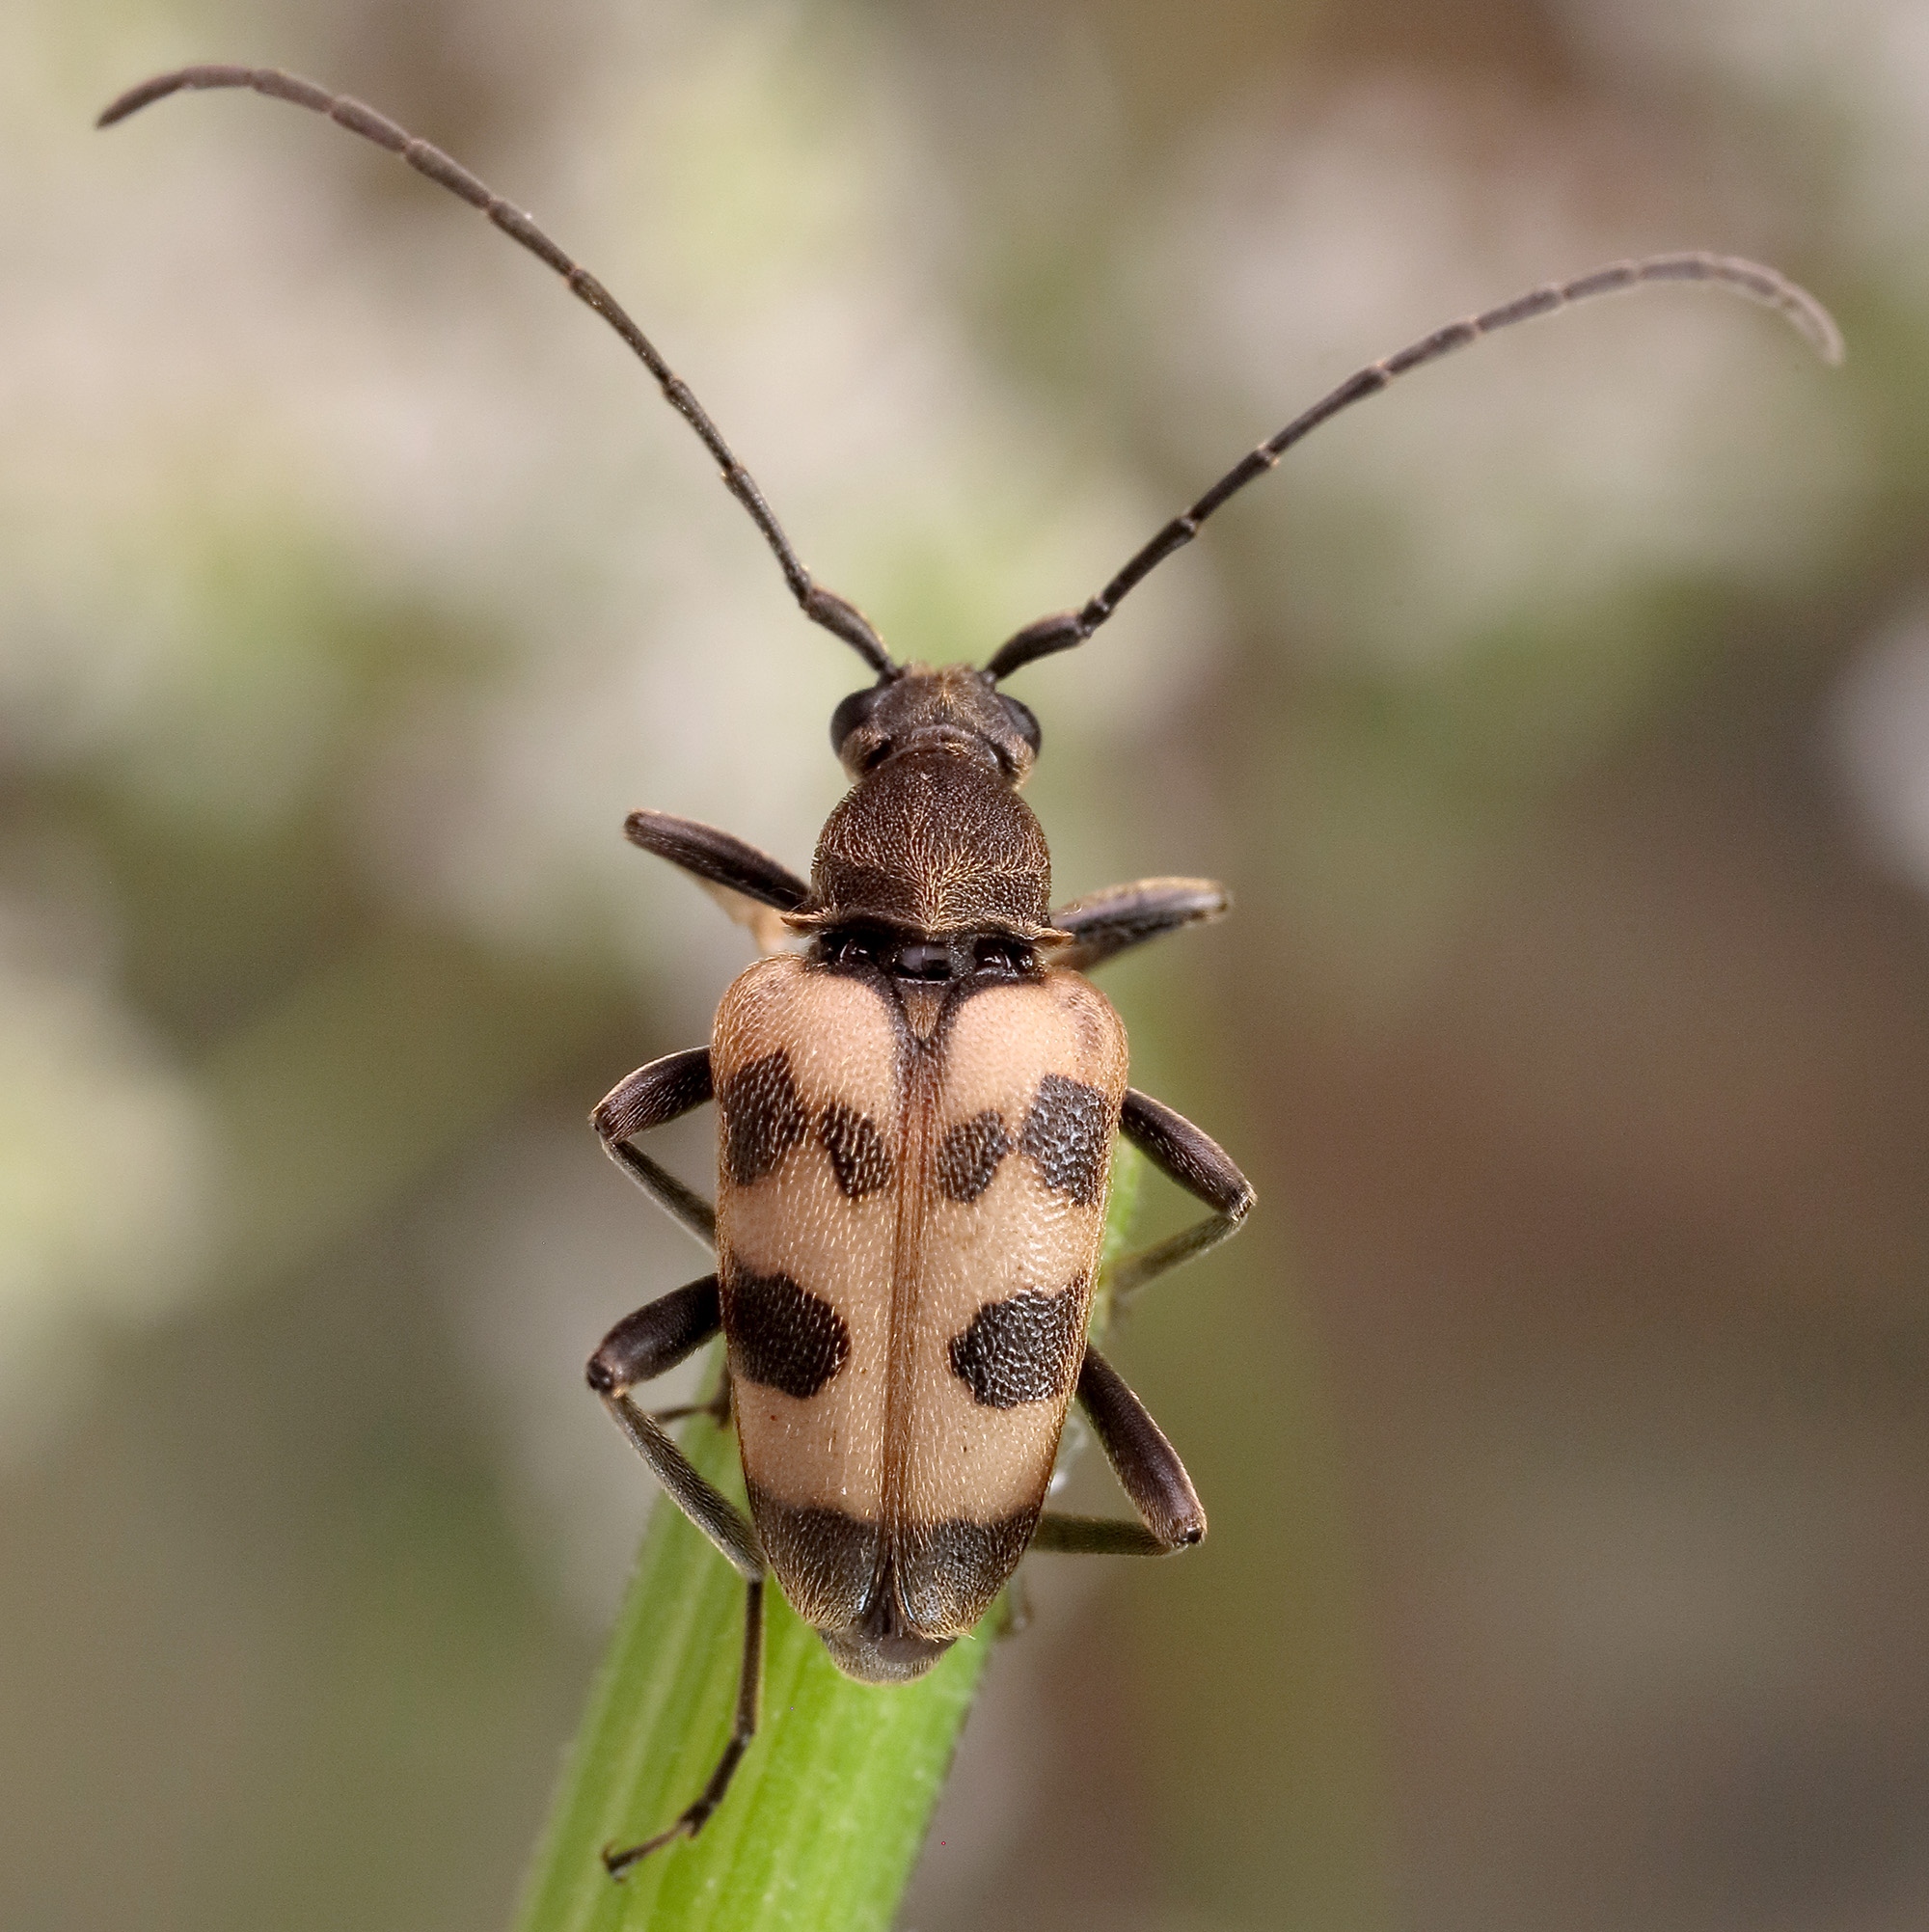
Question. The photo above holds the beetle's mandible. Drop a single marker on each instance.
(917, 1109)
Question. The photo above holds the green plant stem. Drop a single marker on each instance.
(827, 1810)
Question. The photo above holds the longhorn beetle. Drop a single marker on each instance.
(916, 1112)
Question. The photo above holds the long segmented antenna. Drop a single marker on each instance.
(821, 606)
(1727, 271)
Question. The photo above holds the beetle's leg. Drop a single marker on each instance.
(1104, 924)
(662, 1091)
(1014, 1608)
(752, 889)
(653, 1341)
(742, 1728)
(1148, 1468)
(641, 1345)
(640, 1348)
(717, 1409)
(718, 859)
(1202, 1167)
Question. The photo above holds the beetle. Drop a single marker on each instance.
(916, 1110)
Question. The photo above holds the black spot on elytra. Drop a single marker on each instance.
(824, 1558)
(1025, 1348)
(888, 1603)
(1069, 1134)
(949, 1571)
(781, 1335)
(763, 1118)
(968, 1156)
(859, 1155)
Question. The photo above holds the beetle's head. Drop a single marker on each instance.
(952, 708)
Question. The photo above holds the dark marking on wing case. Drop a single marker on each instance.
(970, 1154)
(782, 1337)
(887, 1605)
(825, 1559)
(841, 1575)
(949, 1572)
(858, 1154)
(1069, 1134)
(1025, 1348)
(763, 1118)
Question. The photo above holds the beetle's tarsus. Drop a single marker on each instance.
(617, 1862)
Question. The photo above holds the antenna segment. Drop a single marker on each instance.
(841, 619)
(1748, 279)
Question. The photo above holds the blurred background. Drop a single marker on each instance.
(1560, 721)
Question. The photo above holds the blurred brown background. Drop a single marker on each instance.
(1560, 723)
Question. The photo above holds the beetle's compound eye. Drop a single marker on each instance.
(1023, 722)
(852, 714)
